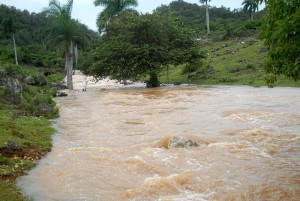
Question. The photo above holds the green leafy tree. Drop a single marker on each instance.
(136, 46)
(112, 8)
(282, 38)
(207, 14)
(65, 33)
(250, 6)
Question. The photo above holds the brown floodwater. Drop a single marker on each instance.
(107, 146)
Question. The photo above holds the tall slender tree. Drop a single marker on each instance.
(112, 8)
(9, 30)
(250, 6)
(65, 32)
(207, 14)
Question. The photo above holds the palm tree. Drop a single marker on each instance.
(65, 32)
(112, 8)
(207, 14)
(251, 6)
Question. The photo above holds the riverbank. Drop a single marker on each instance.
(26, 110)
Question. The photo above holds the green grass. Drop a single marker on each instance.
(24, 128)
(33, 136)
(9, 192)
(234, 62)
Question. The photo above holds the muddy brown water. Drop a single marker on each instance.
(105, 146)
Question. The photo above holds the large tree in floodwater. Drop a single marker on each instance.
(65, 33)
(112, 8)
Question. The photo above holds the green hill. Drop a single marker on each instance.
(238, 61)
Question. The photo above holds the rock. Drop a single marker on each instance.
(182, 142)
(11, 83)
(263, 50)
(59, 86)
(29, 80)
(41, 81)
(10, 147)
(37, 80)
(44, 108)
(61, 94)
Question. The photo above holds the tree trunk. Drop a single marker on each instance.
(69, 67)
(15, 48)
(207, 19)
(251, 16)
(168, 72)
(76, 56)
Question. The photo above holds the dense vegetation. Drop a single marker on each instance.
(34, 46)
(222, 20)
(282, 38)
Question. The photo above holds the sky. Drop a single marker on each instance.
(86, 12)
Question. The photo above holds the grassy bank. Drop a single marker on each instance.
(25, 126)
(230, 62)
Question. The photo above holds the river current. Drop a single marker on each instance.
(108, 146)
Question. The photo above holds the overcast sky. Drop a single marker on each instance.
(86, 12)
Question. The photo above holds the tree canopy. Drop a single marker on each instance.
(140, 45)
(112, 8)
(250, 6)
(282, 38)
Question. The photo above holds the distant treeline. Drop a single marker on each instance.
(33, 46)
(222, 19)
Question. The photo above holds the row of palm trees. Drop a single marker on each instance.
(67, 34)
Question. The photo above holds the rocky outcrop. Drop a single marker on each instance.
(182, 142)
(36, 80)
(11, 83)
(179, 141)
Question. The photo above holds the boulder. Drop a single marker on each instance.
(29, 80)
(10, 147)
(40, 80)
(59, 86)
(182, 142)
(11, 83)
(37, 80)
(60, 94)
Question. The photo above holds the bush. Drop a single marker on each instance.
(191, 68)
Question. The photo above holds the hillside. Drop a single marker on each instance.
(237, 61)
(222, 19)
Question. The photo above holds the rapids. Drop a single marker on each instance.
(104, 148)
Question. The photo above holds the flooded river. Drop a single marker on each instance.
(106, 146)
